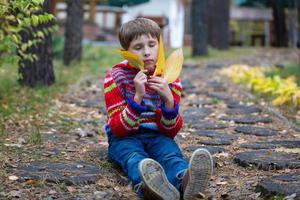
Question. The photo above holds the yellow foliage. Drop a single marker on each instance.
(285, 91)
(296, 98)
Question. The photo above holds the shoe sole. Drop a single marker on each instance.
(155, 179)
(200, 171)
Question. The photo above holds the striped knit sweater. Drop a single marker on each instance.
(125, 116)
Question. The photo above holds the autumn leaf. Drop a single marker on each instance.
(173, 66)
(133, 59)
(161, 62)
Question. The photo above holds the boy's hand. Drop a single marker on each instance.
(160, 85)
(139, 84)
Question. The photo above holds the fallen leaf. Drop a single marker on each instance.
(222, 183)
(223, 154)
(13, 178)
(71, 189)
(15, 193)
(286, 150)
(52, 192)
(32, 182)
(290, 197)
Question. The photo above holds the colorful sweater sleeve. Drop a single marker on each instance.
(122, 114)
(170, 121)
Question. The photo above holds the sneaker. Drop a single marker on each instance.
(155, 182)
(198, 175)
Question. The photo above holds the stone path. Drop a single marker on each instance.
(256, 154)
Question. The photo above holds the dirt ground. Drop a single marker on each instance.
(74, 132)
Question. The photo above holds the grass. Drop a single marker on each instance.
(27, 109)
(215, 54)
(278, 197)
(35, 137)
(286, 71)
(20, 103)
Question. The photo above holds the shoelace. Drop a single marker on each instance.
(137, 188)
(181, 174)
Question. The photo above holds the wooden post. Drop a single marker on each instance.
(92, 15)
(53, 7)
(267, 32)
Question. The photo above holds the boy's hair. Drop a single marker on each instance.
(135, 28)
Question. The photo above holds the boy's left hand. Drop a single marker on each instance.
(160, 85)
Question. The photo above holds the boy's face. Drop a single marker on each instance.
(146, 47)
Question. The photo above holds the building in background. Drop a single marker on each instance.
(249, 25)
(169, 14)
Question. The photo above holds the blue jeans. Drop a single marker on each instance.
(129, 151)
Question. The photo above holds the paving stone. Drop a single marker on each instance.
(190, 65)
(215, 65)
(198, 103)
(52, 137)
(50, 152)
(216, 85)
(193, 115)
(243, 110)
(273, 144)
(187, 85)
(219, 96)
(212, 149)
(236, 105)
(247, 119)
(203, 124)
(102, 109)
(267, 159)
(286, 185)
(102, 153)
(217, 141)
(76, 173)
(206, 133)
(214, 134)
(258, 131)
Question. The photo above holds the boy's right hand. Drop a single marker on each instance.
(139, 83)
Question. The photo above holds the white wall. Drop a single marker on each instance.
(172, 9)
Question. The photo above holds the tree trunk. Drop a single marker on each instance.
(280, 31)
(40, 71)
(217, 14)
(199, 27)
(73, 32)
(297, 3)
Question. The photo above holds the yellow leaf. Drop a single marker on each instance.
(296, 98)
(280, 100)
(173, 66)
(133, 59)
(161, 62)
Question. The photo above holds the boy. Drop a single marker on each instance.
(143, 120)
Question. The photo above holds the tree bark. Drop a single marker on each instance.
(280, 31)
(73, 31)
(40, 71)
(199, 27)
(218, 23)
(297, 3)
